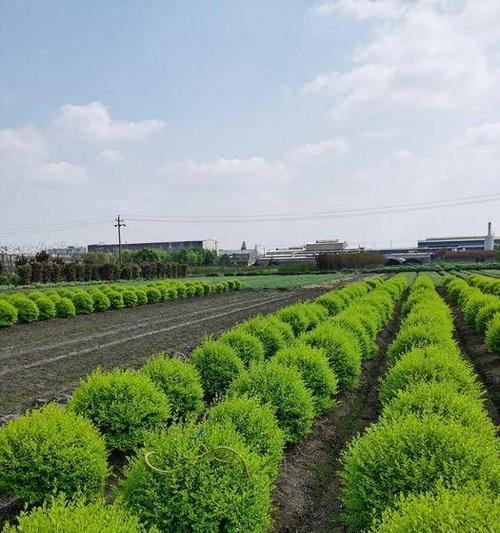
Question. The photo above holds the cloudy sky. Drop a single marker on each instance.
(233, 108)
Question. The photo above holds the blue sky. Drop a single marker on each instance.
(214, 108)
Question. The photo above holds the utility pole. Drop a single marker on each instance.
(119, 224)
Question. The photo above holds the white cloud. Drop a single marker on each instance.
(21, 145)
(480, 135)
(436, 56)
(61, 173)
(361, 9)
(401, 156)
(111, 155)
(380, 133)
(336, 146)
(93, 123)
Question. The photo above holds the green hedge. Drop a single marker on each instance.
(8, 314)
(492, 339)
(248, 347)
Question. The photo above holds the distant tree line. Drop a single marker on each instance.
(337, 261)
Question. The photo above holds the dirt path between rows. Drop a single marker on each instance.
(307, 495)
(43, 361)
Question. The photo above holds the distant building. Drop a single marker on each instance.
(243, 256)
(301, 254)
(171, 246)
(326, 246)
(485, 242)
(70, 252)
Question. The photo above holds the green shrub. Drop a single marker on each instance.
(27, 311)
(153, 294)
(474, 304)
(418, 336)
(284, 328)
(342, 350)
(382, 302)
(312, 365)
(64, 293)
(122, 404)
(485, 314)
(72, 517)
(431, 364)
(34, 295)
(129, 298)
(100, 301)
(65, 308)
(256, 424)
(284, 390)
(462, 511)
(179, 381)
(115, 299)
(53, 296)
(267, 331)
(369, 317)
(492, 339)
(142, 297)
(440, 399)
(8, 314)
(316, 313)
(198, 479)
(333, 302)
(46, 307)
(353, 323)
(248, 347)
(296, 317)
(51, 450)
(410, 454)
(218, 364)
(82, 302)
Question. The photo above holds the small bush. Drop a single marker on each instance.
(248, 347)
(431, 364)
(100, 301)
(256, 424)
(217, 364)
(333, 302)
(82, 302)
(142, 297)
(115, 299)
(27, 311)
(462, 511)
(353, 323)
(71, 517)
(267, 331)
(342, 350)
(34, 295)
(208, 481)
(46, 307)
(410, 454)
(316, 313)
(284, 390)
(312, 365)
(65, 308)
(8, 314)
(284, 328)
(122, 404)
(296, 317)
(179, 381)
(129, 298)
(492, 339)
(51, 450)
(440, 399)
(153, 294)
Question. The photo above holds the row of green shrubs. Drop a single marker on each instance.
(193, 468)
(430, 464)
(65, 302)
(478, 298)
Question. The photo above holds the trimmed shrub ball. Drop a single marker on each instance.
(248, 347)
(123, 404)
(217, 364)
(342, 350)
(316, 314)
(284, 390)
(27, 311)
(267, 332)
(60, 516)
(115, 299)
(409, 455)
(49, 450)
(256, 424)
(129, 298)
(179, 381)
(199, 479)
(351, 322)
(433, 363)
(333, 302)
(492, 339)
(440, 399)
(83, 302)
(296, 317)
(46, 307)
(461, 511)
(34, 295)
(312, 365)
(8, 314)
(484, 316)
(65, 308)
(153, 294)
(100, 301)
(142, 297)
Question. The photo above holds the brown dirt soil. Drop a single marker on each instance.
(44, 361)
(486, 364)
(307, 494)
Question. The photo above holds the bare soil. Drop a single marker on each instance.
(45, 361)
(307, 494)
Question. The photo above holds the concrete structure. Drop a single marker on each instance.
(487, 242)
(169, 246)
(301, 254)
(243, 256)
(70, 252)
(326, 246)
